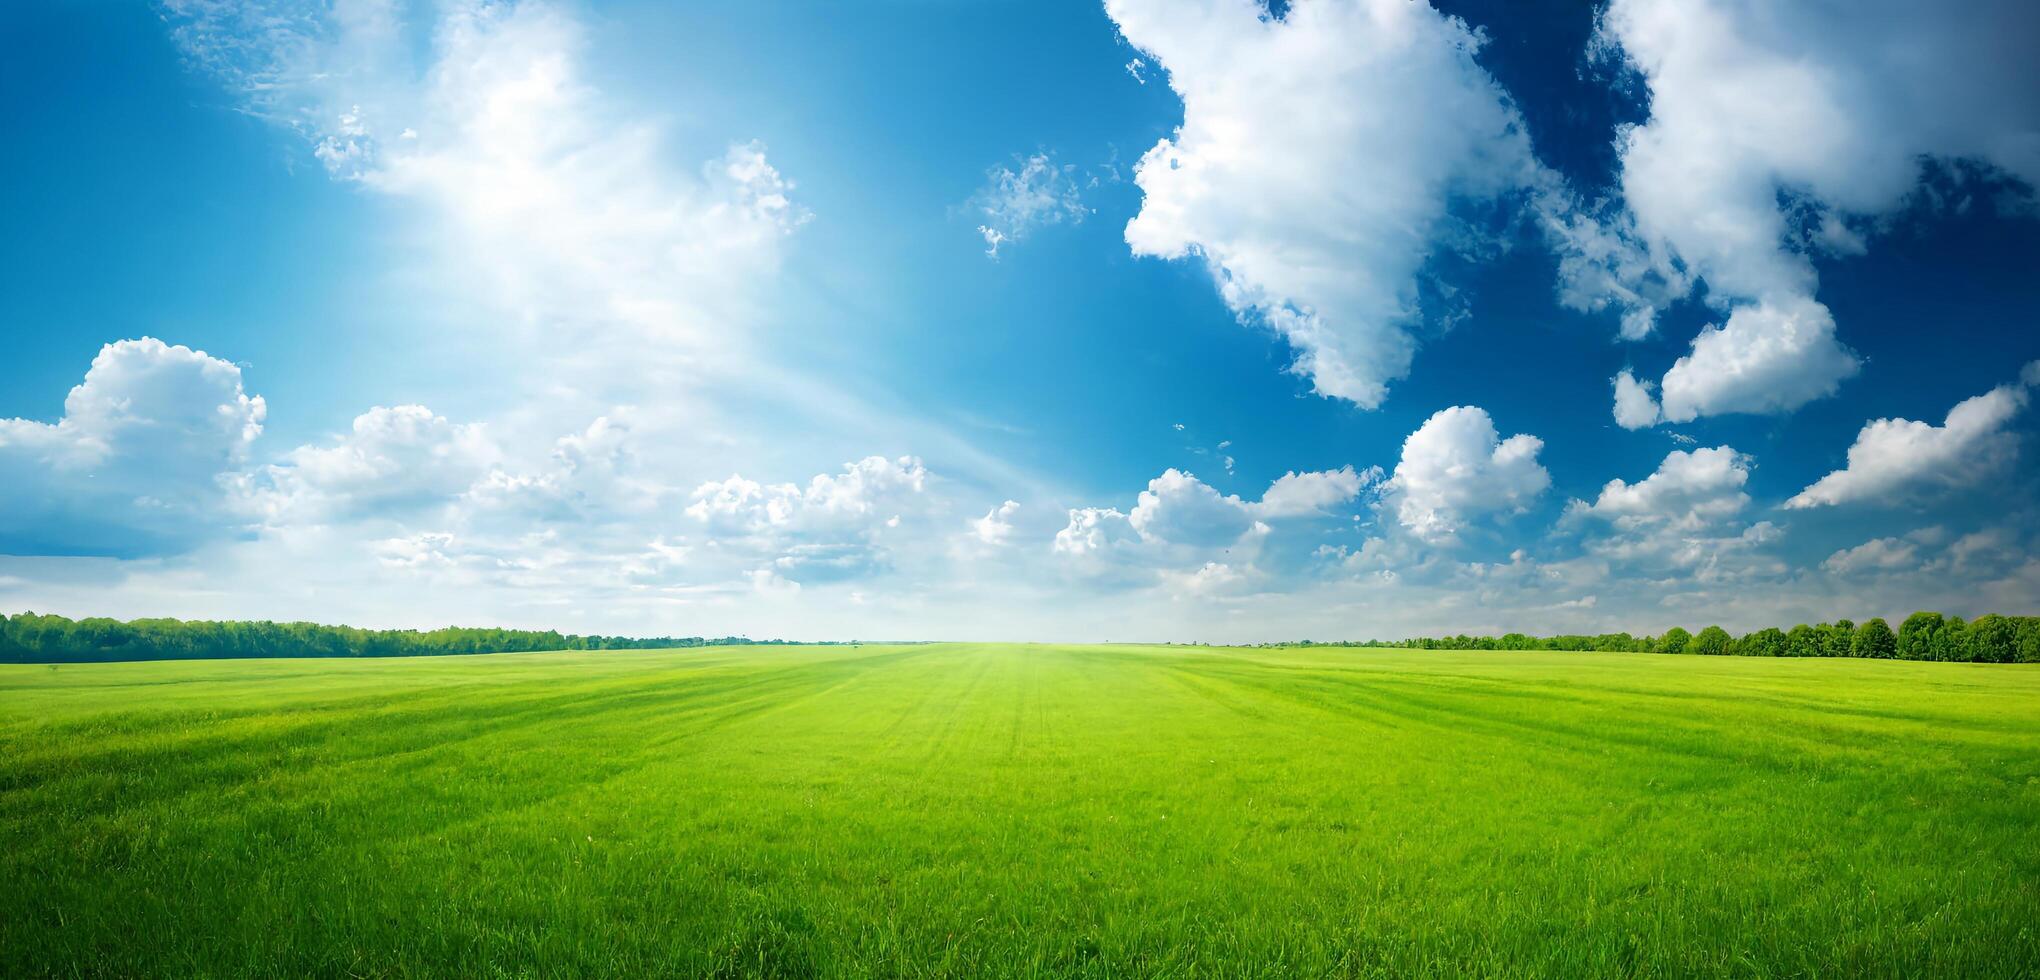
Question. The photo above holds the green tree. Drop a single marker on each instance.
(1675, 640)
(1874, 639)
(1712, 642)
(2029, 639)
(1838, 639)
(54, 639)
(1952, 642)
(1994, 639)
(1919, 636)
(1803, 641)
(1766, 642)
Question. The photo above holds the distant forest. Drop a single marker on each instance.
(32, 638)
(29, 638)
(1922, 636)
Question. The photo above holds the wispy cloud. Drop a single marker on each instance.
(1013, 203)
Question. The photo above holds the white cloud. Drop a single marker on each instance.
(410, 468)
(1187, 536)
(1093, 530)
(1634, 407)
(587, 519)
(740, 506)
(393, 459)
(1892, 459)
(1213, 578)
(1689, 490)
(555, 207)
(1986, 554)
(1768, 357)
(1775, 131)
(1296, 494)
(1015, 202)
(1877, 555)
(1317, 222)
(993, 239)
(1603, 264)
(1178, 508)
(431, 549)
(1455, 470)
(870, 486)
(1930, 556)
(1681, 524)
(768, 582)
(996, 527)
(1833, 103)
(833, 529)
(593, 477)
(140, 461)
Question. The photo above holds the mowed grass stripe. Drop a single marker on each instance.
(1028, 810)
(382, 730)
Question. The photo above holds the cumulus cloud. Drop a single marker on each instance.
(1317, 222)
(1456, 469)
(1776, 132)
(996, 527)
(1894, 459)
(1185, 535)
(1681, 523)
(1835, 105)
(139, 463)
(1932, 553)
(1876, 555)
(1768, 357)
(1179, 514)
(1986, 554)
(593, 477)
(866, 488)
(1296, 494)
(1178, 508)
(1634, 406)
(393, 460)
(1093, 530)
(587, 522)
(451, 508)
(1688, 490)
(834, 528)
(1015, 202)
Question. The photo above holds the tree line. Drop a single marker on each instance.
(1922, 636)
(30, 638)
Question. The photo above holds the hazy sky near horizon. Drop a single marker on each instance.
(1150, 319)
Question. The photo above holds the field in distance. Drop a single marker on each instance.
(960, 810)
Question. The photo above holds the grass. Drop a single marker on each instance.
(1021, 810)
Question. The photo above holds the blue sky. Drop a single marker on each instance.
(623, 317)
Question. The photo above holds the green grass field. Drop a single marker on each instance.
(1021, 810)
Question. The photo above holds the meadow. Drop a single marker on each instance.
(961, 810)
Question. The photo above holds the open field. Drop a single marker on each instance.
(964, 810)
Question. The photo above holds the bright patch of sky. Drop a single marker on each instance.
(1135, 320)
